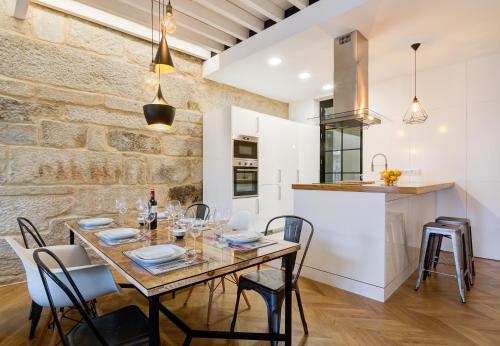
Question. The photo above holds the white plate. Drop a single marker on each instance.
(158, 253)
(95, 222)
(118, 233)
(243, 237)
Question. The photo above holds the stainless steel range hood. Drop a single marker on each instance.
(350, 101)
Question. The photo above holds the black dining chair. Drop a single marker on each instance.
(270, 283)
(126, 326)
(198, 211)
(27, 227)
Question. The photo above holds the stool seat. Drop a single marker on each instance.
(433, 230)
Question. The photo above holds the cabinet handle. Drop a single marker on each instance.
(257, 124)
(279, 176)
(257, 206)
(298, 175)
(279, 193)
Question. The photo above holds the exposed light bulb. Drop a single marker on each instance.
(151, 80)
(414, 106)
(370, 117)
(168, 22)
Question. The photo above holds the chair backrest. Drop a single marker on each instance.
(26, 226)
(293, 231)
(198, 211)
(73, 294)
(241, 220)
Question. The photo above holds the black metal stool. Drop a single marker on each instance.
(431, 232)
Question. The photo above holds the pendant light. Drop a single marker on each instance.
(416, 113)
(159, 114)
(163, 60)
(168, 23)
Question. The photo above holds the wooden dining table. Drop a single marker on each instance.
(221, 261)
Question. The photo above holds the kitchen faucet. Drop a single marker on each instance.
(373, 159)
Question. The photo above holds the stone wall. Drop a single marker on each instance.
(72, 132)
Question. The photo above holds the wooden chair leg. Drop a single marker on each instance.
(189, 294)
(211, 288)
(45, 327)
(235, 276)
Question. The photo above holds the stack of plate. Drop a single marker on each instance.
(114, 235)
(156, 254)
(95, 222)
(242, 237)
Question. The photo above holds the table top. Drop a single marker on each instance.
(222, 260)
(401, 188)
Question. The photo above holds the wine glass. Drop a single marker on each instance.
(221, 218)
(195, 231)
(122, 207)
(148, 216)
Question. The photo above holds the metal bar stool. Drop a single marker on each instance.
(465, 223)
(431, 231)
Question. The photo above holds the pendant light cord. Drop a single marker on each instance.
(415, 69)
(152, 34)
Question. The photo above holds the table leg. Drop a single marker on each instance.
(154, 321)
(71, 237)
(288, 298)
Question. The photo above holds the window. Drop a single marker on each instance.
(341, 150)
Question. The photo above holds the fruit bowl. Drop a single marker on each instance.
(390, 177)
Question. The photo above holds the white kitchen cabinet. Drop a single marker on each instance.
(244, 122)
(288, 152)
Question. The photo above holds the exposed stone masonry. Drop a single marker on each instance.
(72, 133)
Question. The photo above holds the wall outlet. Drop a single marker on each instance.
(412, 172)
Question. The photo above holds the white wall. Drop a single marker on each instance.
(303, 111)
(460, 141)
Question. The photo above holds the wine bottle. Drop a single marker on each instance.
(153, 209)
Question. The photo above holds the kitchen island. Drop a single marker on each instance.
(367, 237)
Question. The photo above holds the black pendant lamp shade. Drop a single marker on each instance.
(159, 114)
(163, 60)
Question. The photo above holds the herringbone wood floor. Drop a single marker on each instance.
(431, 316)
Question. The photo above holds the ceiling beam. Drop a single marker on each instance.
(183, 20)
(300, 4)
(267, 8)
(21, 9)
(127, 26)
(203, 42)
(212, 18)
(234, 13)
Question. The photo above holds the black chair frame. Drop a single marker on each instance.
(274, 298)
(202, 210)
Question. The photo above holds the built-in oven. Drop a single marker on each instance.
(245, 178)
(245, 147)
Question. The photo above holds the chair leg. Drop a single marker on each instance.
(437, 252)
(189, 294)
(235, 276)
(423, 251)
(457, 253)
(35, 313)
(45, 327)
(466, 263)
(301, 309)
(211, 290)
(236, 305)
(429, 255)
(274, 317)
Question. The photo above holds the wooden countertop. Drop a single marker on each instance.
(403, 188)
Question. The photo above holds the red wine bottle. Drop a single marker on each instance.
(153, 209)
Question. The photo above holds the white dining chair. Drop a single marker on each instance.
(241, 221)
(93, 280)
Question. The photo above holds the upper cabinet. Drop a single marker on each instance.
(244, 122)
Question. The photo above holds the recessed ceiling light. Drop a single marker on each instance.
(274, 61)
(327, 87)
(304, 75)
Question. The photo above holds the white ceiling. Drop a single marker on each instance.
(450, 31)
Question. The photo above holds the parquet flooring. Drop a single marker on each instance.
(431, 316)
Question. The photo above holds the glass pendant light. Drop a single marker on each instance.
(168, 23)
(159, 114)
(416, 113)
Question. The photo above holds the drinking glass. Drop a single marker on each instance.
(195, 231)
(221, 218)
(122, 207)
(148, 216)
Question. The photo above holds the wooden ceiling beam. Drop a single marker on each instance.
(234, 13)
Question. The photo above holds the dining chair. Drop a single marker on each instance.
(126, 326)
(270, 283)
(198, 211)
(97, 279)
(242, 221)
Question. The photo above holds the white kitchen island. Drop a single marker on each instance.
(367, 237)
